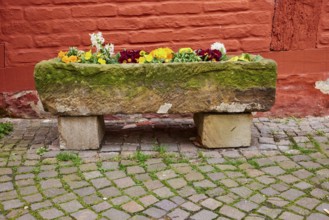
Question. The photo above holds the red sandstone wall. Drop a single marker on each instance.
(33, 30)
(323, 28)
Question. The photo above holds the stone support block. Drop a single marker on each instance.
(81, 133)
(224, 130)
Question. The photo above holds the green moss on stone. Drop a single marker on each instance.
(137, 78)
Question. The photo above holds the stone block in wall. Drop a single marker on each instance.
(24, 104)
(295, 24)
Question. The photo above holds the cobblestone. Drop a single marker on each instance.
(211, 203)
(166, 205)
(231, 212)
(135, 191)
(291, 194)
(120, 200)
(110, 192)
(178, 214)
(204, 215)
(177, 183)
(85, 214)
(12, 204)
(132, 207)
(40, 205)
(272, 213)
(309, 203)
(290, 216)
(71, 206)
(6, 186)
(246, 205)
(270, 180)
(116, 214)
(101, 183)
(155, 212)
(51, 213)
(124, 182)
(148, 200)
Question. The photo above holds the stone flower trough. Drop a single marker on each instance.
(221, 95)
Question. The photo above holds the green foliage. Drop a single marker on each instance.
(41, 151)
(141, 157)
(69, 156)
(246, 57)
(112, 60)
(296, 120)
(234, 162)
(186, 57)
(320, 133)
(99, 167)
(122, 167)
(316, 144)
(201, 155)
(253, 163)
(200, 190)
(224, 58)
(160, 148)
(302, 149)
(169, 160)
(103, 54)
(73, 51)
(5, 128)
(36, 170)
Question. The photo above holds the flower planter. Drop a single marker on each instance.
(81, 93)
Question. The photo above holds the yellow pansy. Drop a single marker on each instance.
(186, 50)
(61, 54)
(149, 58)
(73, 59)
(170, 52)
(243, 57)
(65, 59)
(236, 58)
(88, 55)
(162, 53)
(142, 53)
(141, 60)
(101, 61)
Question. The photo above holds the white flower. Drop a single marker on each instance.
(109, 48)
(218, 46)
(80, 52)
(97, 40)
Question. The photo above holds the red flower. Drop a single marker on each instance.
(129, 56)
(209, 55)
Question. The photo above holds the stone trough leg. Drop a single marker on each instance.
(81, 133)
(224, 130)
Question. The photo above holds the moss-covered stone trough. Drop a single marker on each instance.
(90, 90)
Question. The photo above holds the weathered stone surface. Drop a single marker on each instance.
(224, 130)
(88, 89)
(294, 25)
(81, 133)
(23, 104)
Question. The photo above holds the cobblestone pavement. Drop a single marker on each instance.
(149, 168)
